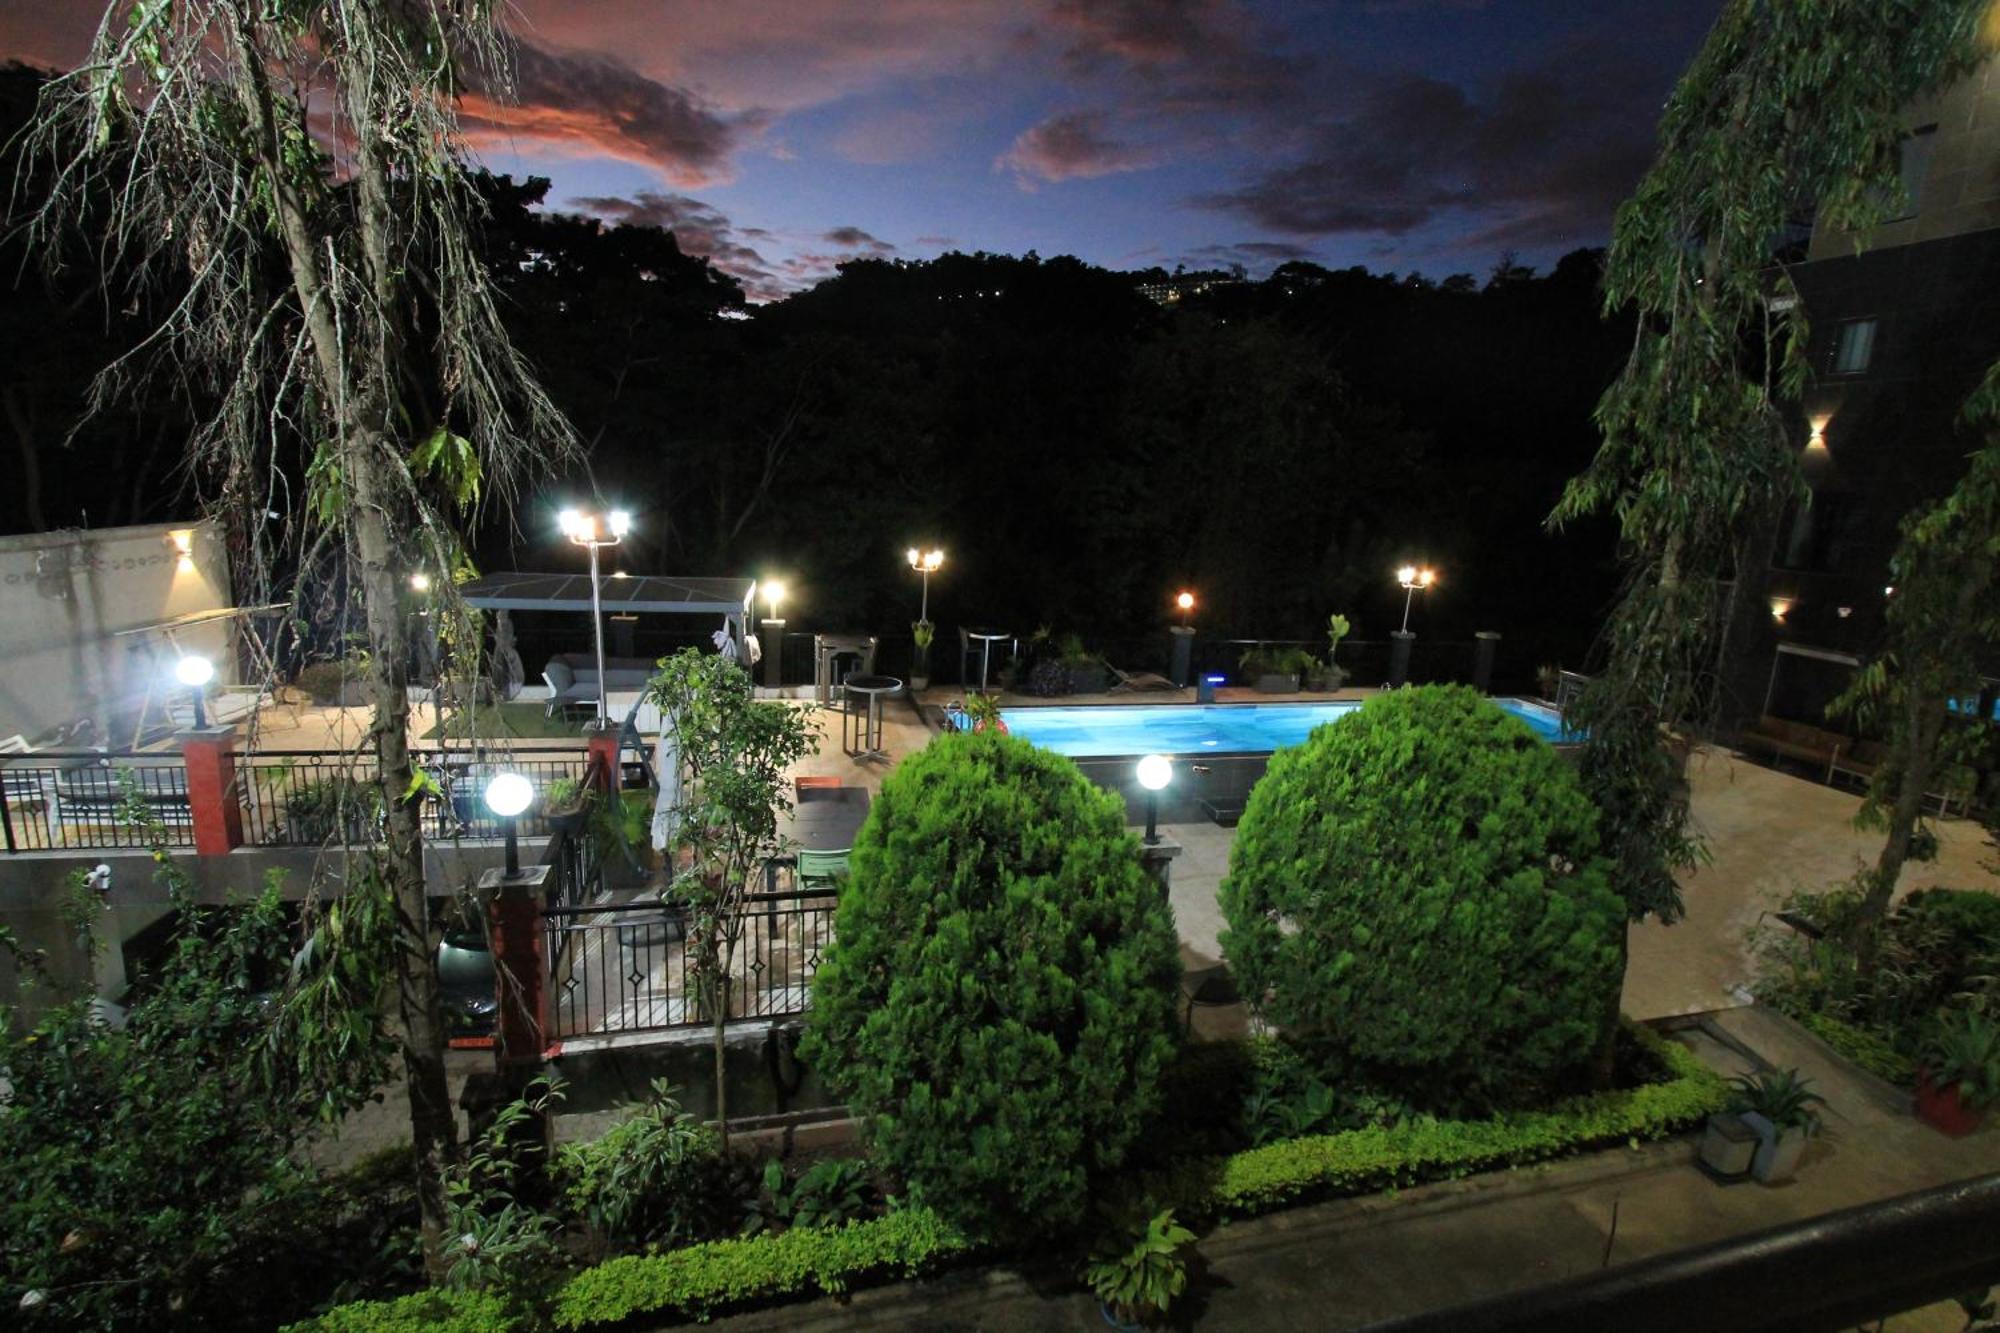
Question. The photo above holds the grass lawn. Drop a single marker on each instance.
(522, 720)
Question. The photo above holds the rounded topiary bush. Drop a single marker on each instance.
(1418, 886)
(1000, 996)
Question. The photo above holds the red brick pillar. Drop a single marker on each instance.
(217, 814)
(604, 757)
(520, 966)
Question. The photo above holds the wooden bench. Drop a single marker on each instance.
(1794, 740)
(1859, 760)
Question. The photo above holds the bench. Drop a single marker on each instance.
(1793, 740)
(1859, 760)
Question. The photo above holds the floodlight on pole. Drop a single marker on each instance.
(507, 796)
(926, 563)
(594, 532)
(195, 672)
(1155, 772)
(1412, 578)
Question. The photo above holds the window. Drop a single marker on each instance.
(1817, 536)
(1913, 166)
(1855, 348)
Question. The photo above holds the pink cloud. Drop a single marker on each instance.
(1072, 146)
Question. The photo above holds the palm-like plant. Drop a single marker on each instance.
(1780, 1096)
(1965, 1049)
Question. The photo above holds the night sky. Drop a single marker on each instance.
(778, 138)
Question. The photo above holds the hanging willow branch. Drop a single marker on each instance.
(284, 180)
(1787, 105)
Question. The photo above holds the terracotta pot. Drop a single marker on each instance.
(995, 724)
(1943, 1109)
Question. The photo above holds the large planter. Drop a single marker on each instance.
(1729, 1147)
(1778, 1150)
(1943, 1109)
(1273, 683)
(1088, 678)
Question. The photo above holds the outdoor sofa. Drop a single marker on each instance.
(572, 678)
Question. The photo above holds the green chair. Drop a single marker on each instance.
(820, 870)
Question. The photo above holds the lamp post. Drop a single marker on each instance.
(926, 563)
(774, 635)
(195, 672)
(507, 795)
(1155, 772)
(1181, 670)
(1411, 578)
(596, 532)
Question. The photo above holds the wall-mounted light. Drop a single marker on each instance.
(181, 540)
(1779, 606)
(1817, 440)
(1843, 611)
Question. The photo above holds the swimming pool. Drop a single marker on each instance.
(1197, 729)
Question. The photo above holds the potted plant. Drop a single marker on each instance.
(1779, 1106)
(1137, 1269)
(1548, 676)
(334, 684)
(984, 712)
(1266, 670)
(1085, 668)
(566, 804)
(1331, 676)
(1960, 1074)
(925, 633)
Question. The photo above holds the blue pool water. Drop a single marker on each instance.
(1211, 728)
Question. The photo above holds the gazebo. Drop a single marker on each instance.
(654, 594)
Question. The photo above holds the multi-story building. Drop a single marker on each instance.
(1905, 321)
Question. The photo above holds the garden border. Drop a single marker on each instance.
(700, 1280)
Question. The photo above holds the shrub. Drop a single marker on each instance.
(1419, 885)
(656, 1177)
(326, 683)
(999, 999)
(334, 808)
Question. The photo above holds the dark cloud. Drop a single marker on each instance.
(1250, 254)
(1069, 147)
(700, 229)
(592, 103)
(1177, 55)
(1543, 157)
(853, 238)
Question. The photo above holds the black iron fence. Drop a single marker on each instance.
(57, 801)
(306, 798)
(628, 967)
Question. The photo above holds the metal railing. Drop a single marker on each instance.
(64, 800)
(307, 798)
(625, 968)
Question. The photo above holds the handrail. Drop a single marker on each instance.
(1829, 1272)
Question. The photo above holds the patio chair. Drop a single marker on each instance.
(1138, 680)
(820, 871)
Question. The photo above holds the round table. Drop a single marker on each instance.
(987, 638)
(861, 732)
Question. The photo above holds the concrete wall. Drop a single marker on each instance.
(1961, 189)
(63, 595)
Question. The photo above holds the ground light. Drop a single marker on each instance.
(507, 795)
(1155, 772)
(594, 532)
(195, 673)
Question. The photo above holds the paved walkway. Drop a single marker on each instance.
(1351, 1262)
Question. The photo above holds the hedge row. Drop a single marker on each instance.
(700, 1279)
(1861, 1047)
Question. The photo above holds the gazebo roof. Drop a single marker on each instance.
(659, 593)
